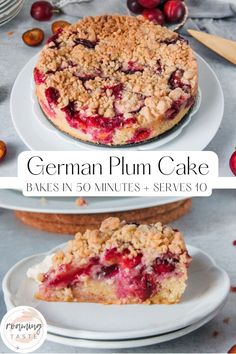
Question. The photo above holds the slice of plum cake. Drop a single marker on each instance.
(119, 264)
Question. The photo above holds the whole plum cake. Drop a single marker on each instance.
(118, 264)
(116, 80)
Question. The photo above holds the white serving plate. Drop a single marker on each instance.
(3, 2)
(38, 134)
(14, 200)
(131, 343)
(208, 287)
(6, 4)
(10, 9)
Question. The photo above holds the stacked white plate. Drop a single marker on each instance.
(9, 9)
(128, 326)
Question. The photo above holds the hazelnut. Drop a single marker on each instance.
(3, 150)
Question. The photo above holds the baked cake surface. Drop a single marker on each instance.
(116, 80)
(119, 264)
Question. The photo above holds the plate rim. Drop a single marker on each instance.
(7, 4)
(16, 13)
(136, 343)
(85, 334)
(11, 10)
(140, 203)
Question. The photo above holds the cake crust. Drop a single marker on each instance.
(116, 80)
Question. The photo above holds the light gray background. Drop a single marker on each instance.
(211, 226)
(14, 54)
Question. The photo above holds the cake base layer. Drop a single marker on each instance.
(170, 292)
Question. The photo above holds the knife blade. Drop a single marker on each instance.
(224, 47)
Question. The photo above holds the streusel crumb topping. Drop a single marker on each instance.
(110, 65)
(152, 240)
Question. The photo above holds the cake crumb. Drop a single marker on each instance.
(10, 34)
(81, 202)
(226, 320)
(215, 334)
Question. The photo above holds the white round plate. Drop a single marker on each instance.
(10, 10)
(131, 343)
(8, 5)
(3, 2)
(37, 133)
(207, 289)
(5, 5)
(14, 200)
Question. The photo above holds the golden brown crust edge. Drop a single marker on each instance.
(114, 233)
